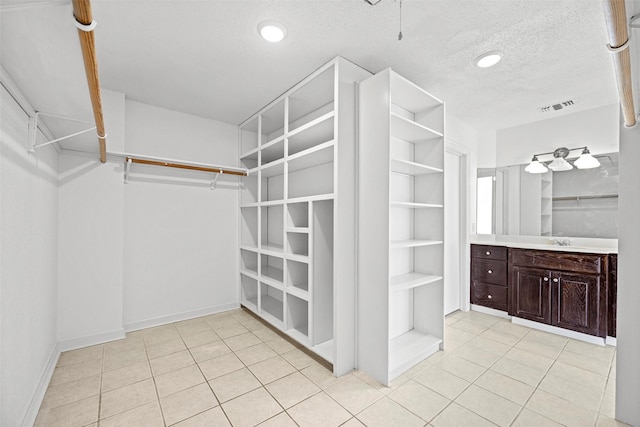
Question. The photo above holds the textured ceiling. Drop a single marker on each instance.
(206, 58)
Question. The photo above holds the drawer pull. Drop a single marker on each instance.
(490, 271)
(489, 296)
(546, 279)
(555, 280)
(488, 252)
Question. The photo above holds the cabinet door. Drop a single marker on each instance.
(579, 303)
(531, 296)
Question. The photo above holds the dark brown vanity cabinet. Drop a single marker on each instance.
(612, 295)
(563, 289)
(489, 284)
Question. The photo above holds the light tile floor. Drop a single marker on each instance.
(230, 369)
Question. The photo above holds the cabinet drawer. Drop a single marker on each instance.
(489, 252)
(490, 271)
(555, 260)
(489, 295)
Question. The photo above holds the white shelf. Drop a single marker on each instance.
(412, 205)
(303, 295)
(298, 336)
(249, 273)
(297, 230)
(273, 275)
(411, 280)
(249, 205)
(314, 198)
(324, 350)
(412, 168)
(314, 156)
(249, 248)
(251, 304)
(411, 131)
(273, 168)
(413, 243)
(312, 133)
(272, 202)
(272, 249)
(299, 258)
(408, 349)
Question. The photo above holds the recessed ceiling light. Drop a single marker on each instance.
(489, 59)
(272, 31)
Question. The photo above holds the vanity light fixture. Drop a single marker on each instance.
(535, 166)
(559, 163)
(489, 59)
(586, 160)
(272, 31)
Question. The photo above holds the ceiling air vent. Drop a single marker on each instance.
(556, 107)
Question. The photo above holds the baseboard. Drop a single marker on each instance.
(611, 341)
(491, 311)
(559, 331)
(177, 317)
(86, 341)
(38, 395)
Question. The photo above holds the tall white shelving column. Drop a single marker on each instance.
(400, 226)
(297, 209)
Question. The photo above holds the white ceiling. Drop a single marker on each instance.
(206, 58)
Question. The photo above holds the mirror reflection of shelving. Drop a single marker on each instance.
(291, 147)
(401, 132)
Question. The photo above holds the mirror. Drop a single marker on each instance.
(573, 203)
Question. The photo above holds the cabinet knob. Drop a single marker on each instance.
(546, 279)
(555, 280)
(490, 271)
(489, 296)
(488, 252)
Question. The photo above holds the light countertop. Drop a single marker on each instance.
(583, 245)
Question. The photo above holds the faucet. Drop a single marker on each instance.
(562, 242)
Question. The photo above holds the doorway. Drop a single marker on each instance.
(455, 230)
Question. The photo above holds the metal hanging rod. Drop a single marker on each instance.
(214, 170)
(578, 198)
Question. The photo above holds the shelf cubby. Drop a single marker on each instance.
(298, 318)
(249, 291)
(249, 227)
(272, 182)
(249, 188)
(316, 179)
(272, 237)
(249, 133)
(298, 243)
(272, 152)
(250, 160)
(298, 215)
(322, 260)
(298, 275)
(319, 131)
(312, 100)
(271, 303)
(272, 123)
(272, 270)
(249, 262)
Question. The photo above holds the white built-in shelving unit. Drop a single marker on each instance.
(297, 212)
(400, 225)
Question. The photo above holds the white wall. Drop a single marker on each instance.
(487, 148)
(596, 128)
(180, 239)
(90, 278)
(628, 333)
(28, 232)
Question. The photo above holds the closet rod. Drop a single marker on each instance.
(86, 24)
(171, 163)
(578, 198)
(615, 16)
